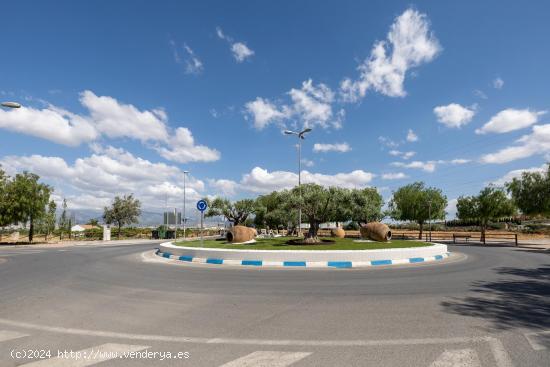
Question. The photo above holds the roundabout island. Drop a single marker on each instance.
(284, 252)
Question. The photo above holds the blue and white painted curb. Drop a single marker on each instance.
(299, 263)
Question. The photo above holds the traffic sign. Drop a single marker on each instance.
(202, 205)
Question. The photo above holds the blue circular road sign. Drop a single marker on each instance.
(201, 205)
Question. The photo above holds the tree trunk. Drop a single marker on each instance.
(119, 227)
(421, 224)
(482, 239)
(31, 230)
(311, 236)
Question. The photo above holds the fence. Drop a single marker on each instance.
(459, 237)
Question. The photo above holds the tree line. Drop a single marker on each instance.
(415, 202)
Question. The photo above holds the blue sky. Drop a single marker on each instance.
(123, 96)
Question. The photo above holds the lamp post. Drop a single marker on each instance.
(430, 217)
(301, 137)
(10, 104)
(183, 214)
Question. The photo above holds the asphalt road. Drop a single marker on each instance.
(483, 307)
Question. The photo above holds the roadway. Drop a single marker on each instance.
(485, 306)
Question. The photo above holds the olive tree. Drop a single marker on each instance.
(491, 204)
(236, 212)
(319, 204)
(123, 211)
(418, 203)
(365, 205)
(270, 211)
(531, 193)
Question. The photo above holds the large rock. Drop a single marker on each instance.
(239, 234)
(338, 232)
(376, 231)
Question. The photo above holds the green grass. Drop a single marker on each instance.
(279, 243)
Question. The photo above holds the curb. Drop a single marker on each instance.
(300, 264)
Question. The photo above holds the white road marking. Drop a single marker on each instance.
(501, 356)
(267, 359)
(536, 344)
(6, 335)
(90, 356)
(457, 358)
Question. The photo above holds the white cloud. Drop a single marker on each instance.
(339, 147)
(480, 94)
(226, 187)
(50, 123)
(394, 176)
(498, 83)
(107, 172)
(117, 120)
(260, 180)
(409, 44)
(450, 209)
(388, 142)
(182, 148)
(460, 161)
(538, 142)
(307, 163)
(107, 118)
(428, 166)
(509, 120)
(508, 177)
(193, 65)
(404, 155)
(240, 50)
(265, 112)
(411, 136)
(311, 104)
(454, 115)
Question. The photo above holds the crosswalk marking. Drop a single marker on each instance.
(457, 358)
(6, 335)
(89, 356)
(267, 359)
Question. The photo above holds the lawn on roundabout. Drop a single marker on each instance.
(280, 243)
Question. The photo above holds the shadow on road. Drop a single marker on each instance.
(521, 299)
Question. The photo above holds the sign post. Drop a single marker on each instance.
(201, 206)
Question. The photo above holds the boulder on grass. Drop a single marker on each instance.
(239, 234)
(338, 232)
(376, 231)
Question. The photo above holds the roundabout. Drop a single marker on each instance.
(302, 257)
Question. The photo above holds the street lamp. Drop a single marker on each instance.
(11, 104)
(301, 137)
(183, 214)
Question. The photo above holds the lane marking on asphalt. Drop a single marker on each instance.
(457, 358)
(538, 340)
(499, 353)
(90, 356)
(267, 358)
(6, 335)
(502, 358)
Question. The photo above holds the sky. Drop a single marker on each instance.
(123, 97)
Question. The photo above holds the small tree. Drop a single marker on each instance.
(236, 212)
(415, 202)
(270, 211)
(319, 205)
(366, 205)
(490, 204)
(123, 211)
(6, 216)
(49, 218)
(29, 199)
(64, 223)
(531, 193)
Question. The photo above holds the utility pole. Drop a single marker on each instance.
(430, 217)
(183, 214)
